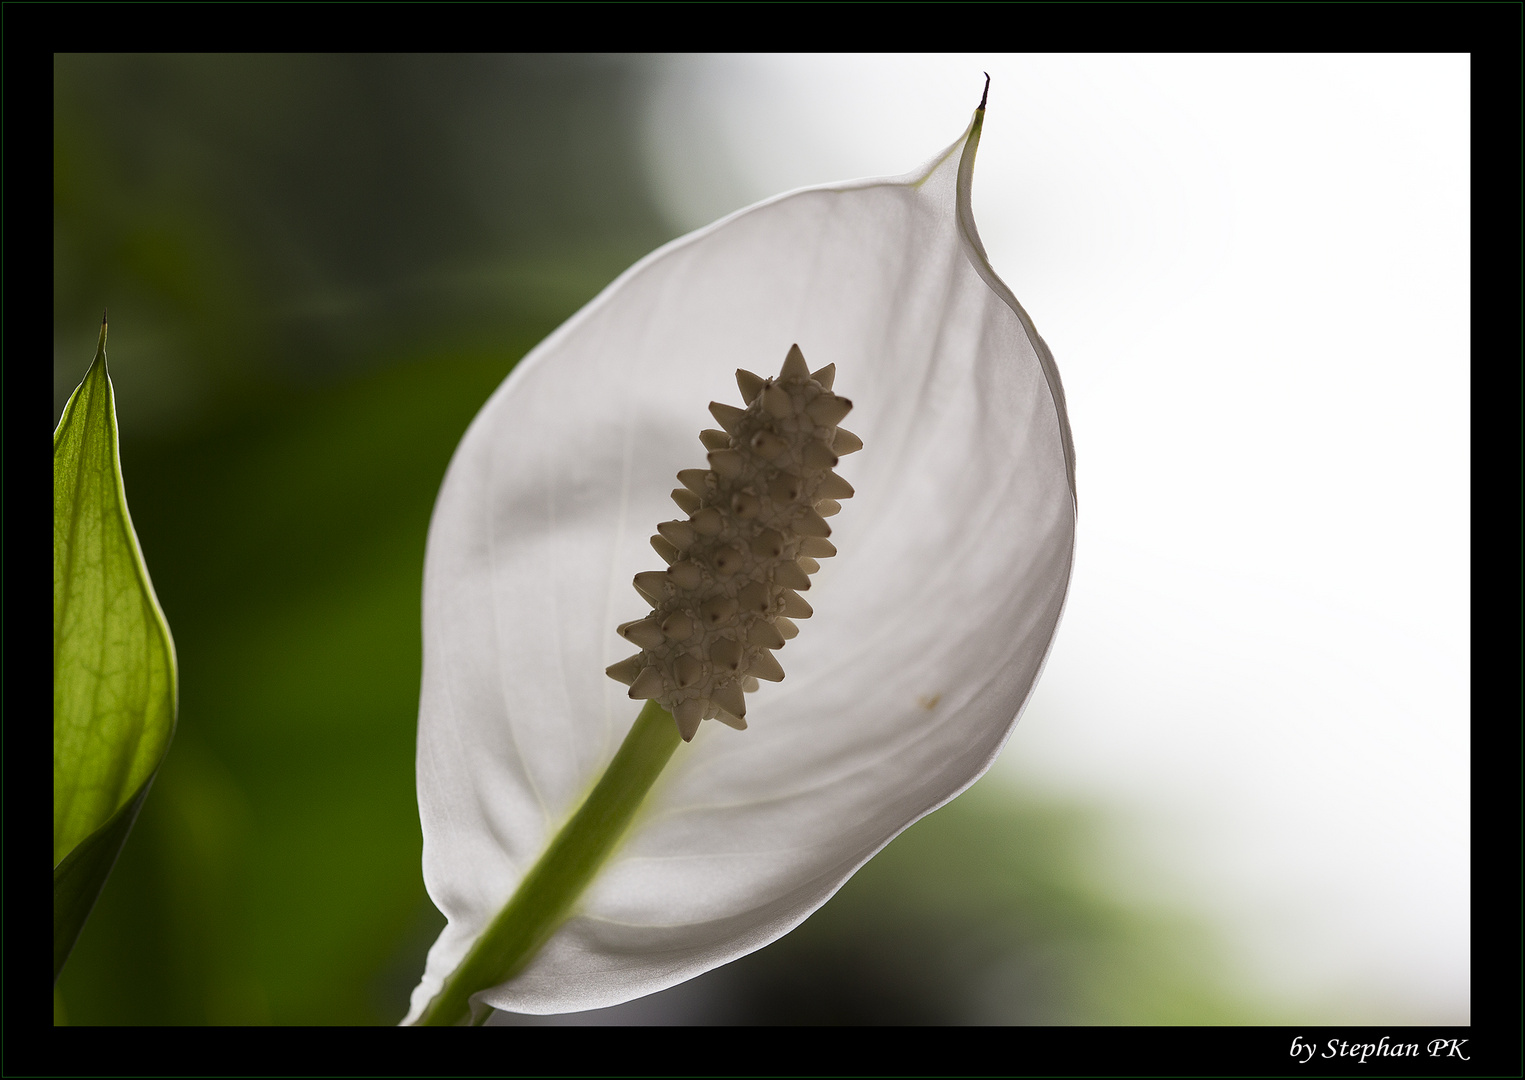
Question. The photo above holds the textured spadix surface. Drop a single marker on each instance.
(756, 526)
(929, 631)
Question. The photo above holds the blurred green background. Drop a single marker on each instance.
(318, 268)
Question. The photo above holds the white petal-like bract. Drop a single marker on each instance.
(931, 624)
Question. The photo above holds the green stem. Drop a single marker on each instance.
(545, 897)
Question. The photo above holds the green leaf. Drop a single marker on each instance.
(114, 675)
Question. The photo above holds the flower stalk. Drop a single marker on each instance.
(545, 897)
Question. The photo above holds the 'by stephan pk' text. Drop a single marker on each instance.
(1305, 1052)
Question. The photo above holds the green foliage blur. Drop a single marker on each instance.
(318, 268)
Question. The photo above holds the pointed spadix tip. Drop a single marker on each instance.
(794, 365)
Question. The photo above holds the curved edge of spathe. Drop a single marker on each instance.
(974, 250)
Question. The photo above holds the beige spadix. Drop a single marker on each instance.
(755, 528)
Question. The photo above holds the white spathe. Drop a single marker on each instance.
(930, 629)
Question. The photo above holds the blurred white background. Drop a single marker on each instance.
(1254, 274)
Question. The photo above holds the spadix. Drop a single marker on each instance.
(699, 644)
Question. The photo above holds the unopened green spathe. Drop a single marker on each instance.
(114, 674)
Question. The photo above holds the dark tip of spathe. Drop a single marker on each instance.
(986, 94)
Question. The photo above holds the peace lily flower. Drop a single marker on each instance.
(928, 632)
